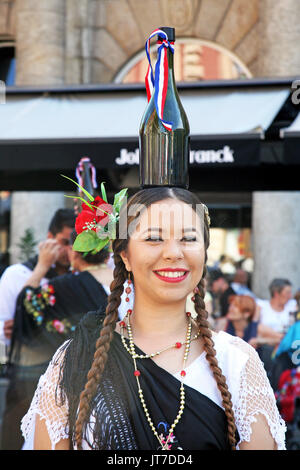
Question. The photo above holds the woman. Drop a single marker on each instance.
(242, 321)
(45, 318)
(194, 389)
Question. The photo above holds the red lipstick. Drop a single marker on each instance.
(171, 279)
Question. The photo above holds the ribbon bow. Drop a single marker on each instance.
(79, 171)
(160, 82)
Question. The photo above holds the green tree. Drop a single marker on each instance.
(27, 245)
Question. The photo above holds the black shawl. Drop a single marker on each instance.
(45, 321)
(120, 422)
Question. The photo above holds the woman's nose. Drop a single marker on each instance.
(172, 249)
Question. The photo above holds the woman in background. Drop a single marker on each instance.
(45, 317)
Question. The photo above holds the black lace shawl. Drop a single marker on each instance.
(117, 420)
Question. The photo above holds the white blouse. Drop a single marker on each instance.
(240, 364)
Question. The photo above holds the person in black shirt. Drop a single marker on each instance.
(220, 287)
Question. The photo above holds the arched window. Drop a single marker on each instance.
(194, 60)
(7, 63)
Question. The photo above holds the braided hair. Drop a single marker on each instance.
(145, 198)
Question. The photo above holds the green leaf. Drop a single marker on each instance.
(91, 198)
(81, 199)
(119, 198)
(86, 241)
(101, 244)
(104, 197)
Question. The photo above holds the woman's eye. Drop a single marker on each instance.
(189, 239)
(153, 239)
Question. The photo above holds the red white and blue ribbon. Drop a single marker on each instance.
(80, 168)
(159, 82)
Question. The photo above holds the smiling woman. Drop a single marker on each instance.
(158, 379)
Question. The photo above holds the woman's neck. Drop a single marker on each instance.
(277, 305)
(239, 325)
(158, 320)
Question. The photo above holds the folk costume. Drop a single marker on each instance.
(45, 317)
(139, 405)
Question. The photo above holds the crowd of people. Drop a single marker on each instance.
(271, 326)
(59, 285)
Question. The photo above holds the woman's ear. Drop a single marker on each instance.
(125, 260)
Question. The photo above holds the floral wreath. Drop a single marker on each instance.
(96, 223)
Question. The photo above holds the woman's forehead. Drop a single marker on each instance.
(172, 215)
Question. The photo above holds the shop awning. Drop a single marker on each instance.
(53, 129)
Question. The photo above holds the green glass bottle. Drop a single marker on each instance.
(164, 155)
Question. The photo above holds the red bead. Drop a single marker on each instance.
(127, 299)
(188, 314)
(129, 281)
(183, 373)
(137, 373)
(129, 311)
(193, 298)
(196, 290)
(122, 323)
(127, 290)
(178, 345)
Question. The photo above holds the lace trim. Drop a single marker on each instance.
(255, 396)
(44, 404)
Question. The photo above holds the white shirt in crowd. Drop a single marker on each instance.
(11, 284)
(279, 321)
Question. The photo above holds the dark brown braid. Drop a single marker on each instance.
(206, 334)
(102, 347)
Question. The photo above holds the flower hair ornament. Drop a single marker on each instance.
(96, 223)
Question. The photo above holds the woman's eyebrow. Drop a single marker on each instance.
(156, 229)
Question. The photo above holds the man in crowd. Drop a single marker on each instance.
(240, 283)
(15, 276)
(278, 312)
(23, 380)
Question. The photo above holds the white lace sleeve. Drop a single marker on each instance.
(44, 404)
(255, 396)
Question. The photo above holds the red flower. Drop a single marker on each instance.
(98, 214)
(50, 288)
(82, 219)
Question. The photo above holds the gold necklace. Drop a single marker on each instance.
(137, 373)
(176, 345)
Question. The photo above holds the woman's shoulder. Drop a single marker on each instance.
(233, 353)
(228, 344)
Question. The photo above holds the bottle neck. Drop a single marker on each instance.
(170, 56)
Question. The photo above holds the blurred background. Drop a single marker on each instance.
(74, 74)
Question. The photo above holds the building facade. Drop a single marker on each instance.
(64, 42)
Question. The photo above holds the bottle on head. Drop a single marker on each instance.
(164, 136)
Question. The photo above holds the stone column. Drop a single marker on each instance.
(276, 238)
(276, 215)
(279, 34)
(40, 53)
(32, 210)
(40, 42)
